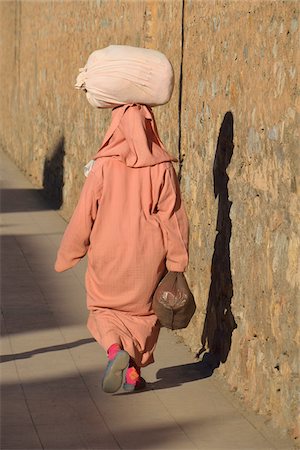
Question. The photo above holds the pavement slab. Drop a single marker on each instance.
(51, 367)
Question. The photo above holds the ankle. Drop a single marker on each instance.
(133, 375)
(113, 350)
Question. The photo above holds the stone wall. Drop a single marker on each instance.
(241, 182)
(234, 115)
(50, 125)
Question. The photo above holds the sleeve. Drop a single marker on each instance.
(76, 239)
(174, 222)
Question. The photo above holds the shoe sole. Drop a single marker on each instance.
(113, 379)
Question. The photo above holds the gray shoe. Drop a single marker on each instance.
(113, 375)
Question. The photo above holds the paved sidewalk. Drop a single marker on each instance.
(51, 396)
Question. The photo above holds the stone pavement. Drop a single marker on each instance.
(51, 367)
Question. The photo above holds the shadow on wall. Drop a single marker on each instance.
(18, 200)
(219, 321)
(53, 175)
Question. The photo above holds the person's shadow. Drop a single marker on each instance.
(219, 321)
(175, 376)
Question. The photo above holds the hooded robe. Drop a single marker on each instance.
(131, 222)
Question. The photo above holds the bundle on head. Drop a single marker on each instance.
(121, 74)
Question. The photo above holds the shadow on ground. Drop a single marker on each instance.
(37, 351)
(174, 376)
(177, 375)
(50, 197)
(70, 412)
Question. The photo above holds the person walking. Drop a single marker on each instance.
(131, 222)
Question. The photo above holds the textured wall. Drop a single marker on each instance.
(237, 126)
(51, 126)
(241, 183)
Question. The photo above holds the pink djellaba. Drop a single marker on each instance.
(131, 222)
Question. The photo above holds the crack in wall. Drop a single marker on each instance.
(180, 156)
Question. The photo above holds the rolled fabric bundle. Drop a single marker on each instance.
(121, 74)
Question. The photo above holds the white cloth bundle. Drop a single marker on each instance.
(121, 74)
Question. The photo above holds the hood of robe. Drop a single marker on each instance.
(133, 138)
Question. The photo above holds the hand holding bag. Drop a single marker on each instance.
(173, 302)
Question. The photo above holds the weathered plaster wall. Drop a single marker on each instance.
(240, 87)
(44, 44)
(239, 140)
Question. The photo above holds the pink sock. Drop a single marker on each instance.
(133, 375)
(113, 350)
